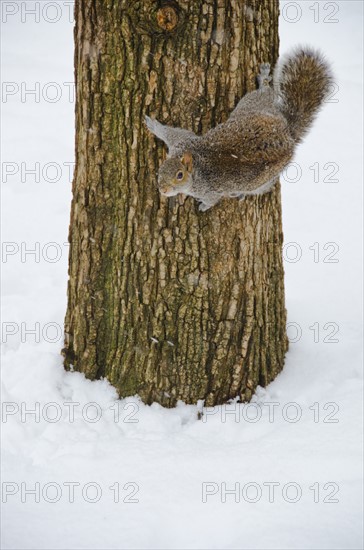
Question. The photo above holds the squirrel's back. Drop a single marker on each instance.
(246, 154)
(303, 80)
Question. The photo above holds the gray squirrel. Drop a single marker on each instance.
(246, 154)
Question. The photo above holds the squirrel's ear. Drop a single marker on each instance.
(187, 161)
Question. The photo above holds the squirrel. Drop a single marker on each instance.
(245, 155)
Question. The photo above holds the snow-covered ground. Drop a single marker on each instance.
(88, 471)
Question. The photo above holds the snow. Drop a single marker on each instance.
(170, 472)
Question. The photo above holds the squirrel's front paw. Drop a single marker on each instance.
(150, 123)
(155, 127)
(203, 207)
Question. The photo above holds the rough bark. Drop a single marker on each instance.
(164, 301)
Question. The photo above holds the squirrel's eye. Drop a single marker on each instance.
(179, 175)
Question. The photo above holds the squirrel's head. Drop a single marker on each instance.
(175, 175)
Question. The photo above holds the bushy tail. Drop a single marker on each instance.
(304, 80)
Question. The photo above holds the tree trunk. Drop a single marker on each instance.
(167, 302)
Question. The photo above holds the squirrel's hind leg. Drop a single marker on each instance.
(259, 99)
(263, 77)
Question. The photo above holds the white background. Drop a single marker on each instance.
(168, 455)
